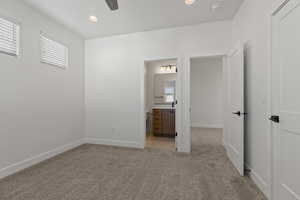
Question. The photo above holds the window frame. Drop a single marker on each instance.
(46, 35)
(173, 94)
(18, 38)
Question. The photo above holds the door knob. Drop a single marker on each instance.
(275, 118)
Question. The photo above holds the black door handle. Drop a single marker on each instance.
(237, 113)
(275, 118)
(174, 103)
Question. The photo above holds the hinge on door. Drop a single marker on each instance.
(176, 134)
(176, 69)
(176, 102)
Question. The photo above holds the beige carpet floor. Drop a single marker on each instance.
(93, 172)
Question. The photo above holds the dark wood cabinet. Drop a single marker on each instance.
(163, 122)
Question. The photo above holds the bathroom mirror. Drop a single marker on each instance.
(164, 88)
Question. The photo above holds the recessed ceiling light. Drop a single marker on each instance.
(93, 19)
(189, 2)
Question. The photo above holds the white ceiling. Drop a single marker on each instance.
(133, 15)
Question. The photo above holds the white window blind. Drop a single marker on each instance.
(53, 52)
(9, 37)
(169, 91)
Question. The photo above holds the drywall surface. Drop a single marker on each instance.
(252, 26)
(207, 92)
(41, 106)
(115, 71)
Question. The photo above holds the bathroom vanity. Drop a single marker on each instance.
(163, 122)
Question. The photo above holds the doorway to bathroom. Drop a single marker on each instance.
(160, 104)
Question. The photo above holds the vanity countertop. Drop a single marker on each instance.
(163, 107)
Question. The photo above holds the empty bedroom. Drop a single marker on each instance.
(149, 100)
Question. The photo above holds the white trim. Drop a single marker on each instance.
(209, 55)
(259, 181)
(14, 168)
(270, 190)
(203, 125)
(143, 106)
(179, 114)
(117, 143)
(225, 100)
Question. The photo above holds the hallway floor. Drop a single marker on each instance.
(163, 143)
(94, 172)
(202, 137)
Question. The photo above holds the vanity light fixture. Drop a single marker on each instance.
(189, 2)
(168, 69)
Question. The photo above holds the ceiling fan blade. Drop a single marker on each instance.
(112, 4)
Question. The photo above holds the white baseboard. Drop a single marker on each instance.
(117, 143)
(37, 159)
(224, 142)
(201, 125)
(259, 181)
(14, 168)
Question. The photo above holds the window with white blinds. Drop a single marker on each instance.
(9, 37)
(53, 52)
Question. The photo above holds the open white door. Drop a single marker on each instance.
(177, 108)
(235, 122)
(286, 101)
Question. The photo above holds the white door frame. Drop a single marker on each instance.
(277, 6)
(187, 96)
(178, 95)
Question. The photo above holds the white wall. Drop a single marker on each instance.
(152, 68)
(41, 106)
(207, 92)
(115, 71)
(252, 25)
